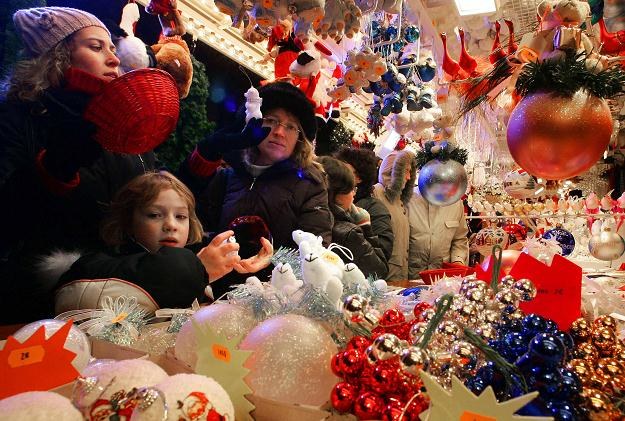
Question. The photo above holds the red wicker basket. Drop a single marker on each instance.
(135, 112)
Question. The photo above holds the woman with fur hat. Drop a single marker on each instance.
(396, 180)
(54, 177)
(271, 171)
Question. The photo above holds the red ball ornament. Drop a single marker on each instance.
(419, 404)
(516, 233)
(392, 317)
(384, 379)
(358, 342)
(401, 144)
(558, 137)
(343, 396)
(335, 365)
(350, 362)
(419, 308)
(369, 406)
(392, 413)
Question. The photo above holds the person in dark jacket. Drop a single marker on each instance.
(53, 174)
(151, 220)
(271, 173)
(365, 165)
(352, 225)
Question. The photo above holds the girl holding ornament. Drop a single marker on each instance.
(151, 221)
(352, 225)
(52, 171)
(271, 174)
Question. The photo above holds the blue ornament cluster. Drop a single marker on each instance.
(539, 350)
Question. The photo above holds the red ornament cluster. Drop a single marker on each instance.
(378, 390)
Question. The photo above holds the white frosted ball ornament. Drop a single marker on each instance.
(76, 342)
(189, 397)
(253, 101)
(228, 320)
(38, 406)
(290, 360)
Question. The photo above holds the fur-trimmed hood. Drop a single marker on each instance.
(391, 175)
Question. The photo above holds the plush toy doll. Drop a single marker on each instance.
(284, 47)
(132, 52)
(558, 32)
(283, 279)
(172, 53)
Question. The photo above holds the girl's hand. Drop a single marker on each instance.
(220, 256)
(258, 262)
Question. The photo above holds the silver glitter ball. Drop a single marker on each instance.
(416, 332)
(487, 331)
(413, 359)
(506, 282)
(386, 346)
(442, 183)
(490, 316)
(449, 328)
(371, 356)
(427, 314)
(354, 307)
(507, 300)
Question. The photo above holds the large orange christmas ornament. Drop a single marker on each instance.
(556, 136)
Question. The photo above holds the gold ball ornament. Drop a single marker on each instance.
(606, 321)
(558, 137)
(604, 339)
(583, 369)
(580, 330)
(586, 351)
(595, 400)
(608, 368)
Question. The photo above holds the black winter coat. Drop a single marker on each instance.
(380, 223)
(35, 220)
(362, 242)
(174, 277)
(285, 197)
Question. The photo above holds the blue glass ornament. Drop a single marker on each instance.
(551, 326)
(548, 382)
(533, 324)
(406, 61)
(390, 33)
(376, 29)
(426, 73)
(563, 411)
(476, 385)
(411, 33)
(515, 344)
(537, 407)
(564, 238)
(397, 46)
(571, 385)
(566, 339)
(547, 348)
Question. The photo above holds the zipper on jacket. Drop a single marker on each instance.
(253, 181)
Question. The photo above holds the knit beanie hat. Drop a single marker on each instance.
(292, 99)
(42, 28)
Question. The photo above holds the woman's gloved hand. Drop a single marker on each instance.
(71, 144)
(222, 141)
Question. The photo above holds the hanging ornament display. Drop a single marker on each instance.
(486, 238)
(564, 238)
(442, 177)
(605, 243)
(519, 184)
(516, 235)
(563, 124)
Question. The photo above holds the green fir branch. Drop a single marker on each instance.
(447, 151)
(567, 76)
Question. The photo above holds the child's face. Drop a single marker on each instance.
(164, 222)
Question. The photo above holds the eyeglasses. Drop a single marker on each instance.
(273, 123)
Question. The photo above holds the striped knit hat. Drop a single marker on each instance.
(42, 28)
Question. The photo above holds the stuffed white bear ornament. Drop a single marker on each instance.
(318, 273)
(283, 279)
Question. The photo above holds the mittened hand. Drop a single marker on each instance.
(224, 141)
(71, 143)
(359, 215)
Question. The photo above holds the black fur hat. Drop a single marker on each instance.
(292, 99)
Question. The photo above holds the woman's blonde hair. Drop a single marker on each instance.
(30, 78)
(140, 192)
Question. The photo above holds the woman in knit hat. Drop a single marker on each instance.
(271, 171)
(54, 177)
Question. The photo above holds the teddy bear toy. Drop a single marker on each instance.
(559, 31)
